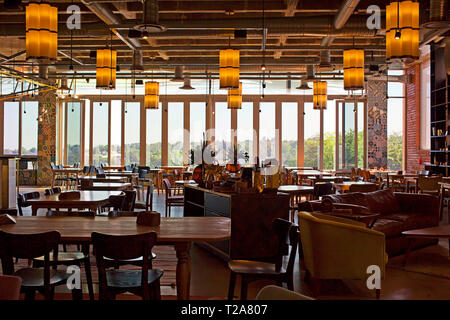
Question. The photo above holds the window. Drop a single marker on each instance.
(361, 141)
(132, 132)
(116, 132)
(87, 116)
(329, 135)
(245, 133)
(175, 133)
(311, 136)
(267, 140)
(154, 146)
(197, 129)
(100, 133)
(395, 133)
(348, 124)
(11, 128)
(30, 113)
(289, 134)
(223, 147)
(73, 132)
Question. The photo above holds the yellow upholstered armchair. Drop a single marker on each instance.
(339, 248)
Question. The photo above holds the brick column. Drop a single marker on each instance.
(376, 124)
(46, 137)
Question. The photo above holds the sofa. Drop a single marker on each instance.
(398, 212)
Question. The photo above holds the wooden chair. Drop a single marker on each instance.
(23, 198)
(142, 181)
(362, 188)
(130, 200)
(147, 205)
(171, 199)
(322, 189)
(72, 258)
(116, 202)
(10, 287)
(30, 246)
(288, 234)
(429, 185)
(144, 283)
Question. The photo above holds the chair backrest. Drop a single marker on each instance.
(127, 167)
(135, 170)
(149, 198)
(53, 166)
(142, 173)
(117, 202)
(52, 213)
(69, 195)
(288, 234)
(167, 186)
(429, 183)
(60, 166)
(130, 200)
(99, 170)
(56, 190)
(48, 192)
(10, 287)
(23, 197)
(86, 169)
(122, 248)
(322, 189)
(28, 246)
(362, 187)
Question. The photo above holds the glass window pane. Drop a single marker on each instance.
(329, 135)
(175, 133)
(73, 132)
(349, 136)
(267, 143)
(289, 120)
(132, 132)
(245, 133)
(87, 115)
(311, 136)
(30, 111)
(395, 89)
(395, 134)
(223, 133)
(197, 129)
(116, 132)
(153, 149)
(361, 142)
(11, 128)
(100, 133)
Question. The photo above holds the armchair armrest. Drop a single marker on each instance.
(354, 207)
(328, 217)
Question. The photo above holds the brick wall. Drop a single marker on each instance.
(412, 129)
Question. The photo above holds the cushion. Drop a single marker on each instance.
(413, 220)
(357, 198)
(382, 201)
(390, 228)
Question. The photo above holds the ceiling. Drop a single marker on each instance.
(298, 33)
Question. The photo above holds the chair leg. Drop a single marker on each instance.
(231, 286)
(87, 267)
(244, 287)
(166, 210)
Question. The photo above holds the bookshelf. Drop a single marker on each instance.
(440, 113)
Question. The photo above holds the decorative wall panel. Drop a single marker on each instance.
(377, 124)
(46, 137)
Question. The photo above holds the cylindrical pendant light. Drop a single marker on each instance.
(402, 30)
(319, 94)
(229, 69)
(151, 100)
(235, 98)
(41, 31)
(106, 69)
(353, 69)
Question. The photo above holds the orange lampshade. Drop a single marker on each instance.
(151, 100)
(41, 31)
(106, 69)
(353, 69)
(229, 69)
(235, 98)
(319, 94)
(404, 24)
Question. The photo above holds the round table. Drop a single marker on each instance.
(183, 182)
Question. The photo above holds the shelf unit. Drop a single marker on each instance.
(440, 113)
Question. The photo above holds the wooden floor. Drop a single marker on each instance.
(210, 276)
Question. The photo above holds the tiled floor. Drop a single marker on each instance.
(210, 276)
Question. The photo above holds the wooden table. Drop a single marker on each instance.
(107, 179)
(295, 191)
(345, 186)
(183, 182)
(427, 233)
(91, 200)
(119, 168)
(108, 186)
(392, 176)
(305, 173)
(67, 172)
(331, 179)
(125, 174)
(179, 232)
